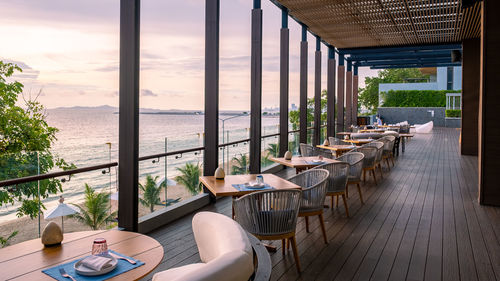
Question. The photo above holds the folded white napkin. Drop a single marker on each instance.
(96, 263)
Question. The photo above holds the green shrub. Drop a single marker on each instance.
(415, 98)
(453, 113)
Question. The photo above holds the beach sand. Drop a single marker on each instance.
(28, 228)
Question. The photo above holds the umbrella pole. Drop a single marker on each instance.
(62, 223)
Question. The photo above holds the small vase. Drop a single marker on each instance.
(52, 235)
(326, 142)
(219, 174)
(288, 155)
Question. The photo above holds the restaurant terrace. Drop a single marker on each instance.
(377, 202)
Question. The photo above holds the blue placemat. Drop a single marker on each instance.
(123, 266)
(315, 163)
(244, 187)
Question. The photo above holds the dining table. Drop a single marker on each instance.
(338, 149)
(300, 163)
(26, 260)
(359, 141)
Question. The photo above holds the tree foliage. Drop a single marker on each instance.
(94, 212)
(241, 165)
(150, 192)
(25, 142)
(368, 96)
(190, 177)
(294, 115)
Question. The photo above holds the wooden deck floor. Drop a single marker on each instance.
(422, 222)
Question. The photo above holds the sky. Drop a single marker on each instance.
(69, 52)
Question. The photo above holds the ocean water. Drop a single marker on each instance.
(89, 137)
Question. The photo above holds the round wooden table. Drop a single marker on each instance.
(26, 260)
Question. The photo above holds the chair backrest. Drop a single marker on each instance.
(404, 129)
(338, 175)
(313, 183)
(355, 160)
(323, 152)
(389, 142)
(268, 212)
(380, 149)
(370, 154)
(336, 141)
(306, 150)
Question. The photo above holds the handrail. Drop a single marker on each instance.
(56, 174)
(171, 153)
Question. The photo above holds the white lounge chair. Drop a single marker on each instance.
(225, 251)
(425, 128)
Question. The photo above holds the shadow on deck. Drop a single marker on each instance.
(421, 222)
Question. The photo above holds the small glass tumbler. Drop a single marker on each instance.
(100, 247)
(260, 179)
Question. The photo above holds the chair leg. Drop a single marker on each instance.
(337, 201)
(364, 176)
(388, 164)
(287, 244)
(331, 197)
(345, 205)
(295, 253)
(322, 223)
(392, 159)
(283, 246)
(347, 190)
(380, 168)
(360, 195)
(374, 177)
(307, 224)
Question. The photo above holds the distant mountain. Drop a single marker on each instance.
(149, 110)
(101, 108)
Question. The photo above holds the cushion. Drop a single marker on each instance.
(212, 231)
(178, 273)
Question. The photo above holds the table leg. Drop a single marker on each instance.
(403, 144)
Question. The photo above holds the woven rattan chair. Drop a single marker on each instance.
(270, 215)
(337, 182)
(313, 183)
(323, 152)
(388, 152)
(337, 141)
(379, 145)
(370, 154)
(355, 160)
(306, 150)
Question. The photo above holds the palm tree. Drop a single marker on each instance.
(94, 212)
(150, 192)
(241, 166)
(273, 149)
(190, 177)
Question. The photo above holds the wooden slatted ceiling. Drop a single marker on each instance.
(371, 23)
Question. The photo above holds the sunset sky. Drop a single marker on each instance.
(69, 50)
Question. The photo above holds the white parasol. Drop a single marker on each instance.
(60, 211)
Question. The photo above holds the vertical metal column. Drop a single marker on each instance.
(211, 140)
(348, 95)
(317, 92)
(256, 89)
(355, 89)
(340, 94)
(330, 84)
(303, 87)
(284, 80)
(128, 169)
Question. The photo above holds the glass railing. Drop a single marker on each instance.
(27, 207)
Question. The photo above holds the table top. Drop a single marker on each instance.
(26, 260)
(359, 141)
(299, 162)
(337, 147)
(372, 131)
(345, 133)
(225, 187)
(407, 135)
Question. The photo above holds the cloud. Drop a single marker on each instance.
(27, 73)
(148, 93)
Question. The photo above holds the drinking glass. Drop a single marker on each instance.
(100, 247)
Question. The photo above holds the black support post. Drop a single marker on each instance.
(211, 140)
(340, 94)
(317, 92)
(284, 80)
(303, 87)
(348, 95)
(330, 111)
(128, 169)
(256, 89)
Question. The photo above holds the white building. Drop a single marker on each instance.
(441, 78)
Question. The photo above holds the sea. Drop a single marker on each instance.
(89, 136)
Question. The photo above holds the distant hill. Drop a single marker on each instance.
(147, 110)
